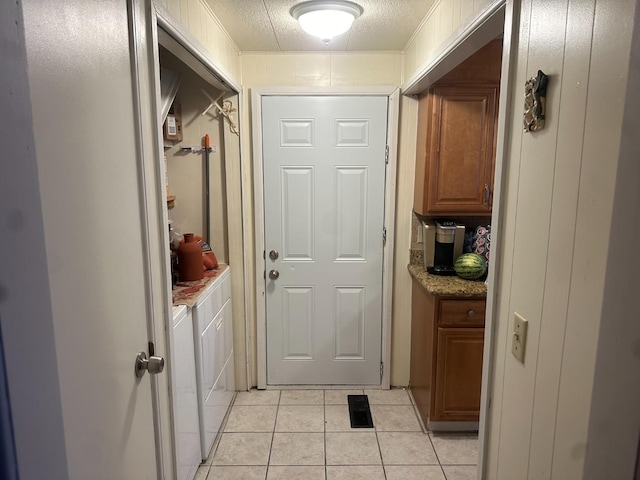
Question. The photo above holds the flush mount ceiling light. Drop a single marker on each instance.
(326, 19)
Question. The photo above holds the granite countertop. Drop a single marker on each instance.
(444, 286)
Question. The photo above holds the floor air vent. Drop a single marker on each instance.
(359, 411)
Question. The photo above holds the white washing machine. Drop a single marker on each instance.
(186, 427)
(213, 341)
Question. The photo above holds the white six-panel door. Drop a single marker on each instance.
(324, 182)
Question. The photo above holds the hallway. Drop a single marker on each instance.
(306, 434)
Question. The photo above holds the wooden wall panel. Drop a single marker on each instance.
(197, 18)
(557, 210)
(537, 165)
(443, 21)
(607, 80)
(573, 93)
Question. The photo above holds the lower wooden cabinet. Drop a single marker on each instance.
(447, 340)
(458, 374)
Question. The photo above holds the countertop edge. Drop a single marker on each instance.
(444, 286)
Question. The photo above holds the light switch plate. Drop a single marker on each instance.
(519, 340)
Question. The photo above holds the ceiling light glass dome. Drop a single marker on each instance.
(326, 19)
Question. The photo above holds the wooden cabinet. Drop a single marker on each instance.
(458, 373)
(455, 153)
(456, 150)
(447, 340)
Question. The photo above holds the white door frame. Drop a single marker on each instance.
(507, 104)
(393, 93)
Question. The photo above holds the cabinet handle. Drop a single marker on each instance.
(487, 194)
(471, 313)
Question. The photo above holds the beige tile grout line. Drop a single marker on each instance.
(324, 416)
(273, 433)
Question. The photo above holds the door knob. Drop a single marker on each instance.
(274, 274)
(273, 254)
(153, 364)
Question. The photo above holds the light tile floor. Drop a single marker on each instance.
(306, 435)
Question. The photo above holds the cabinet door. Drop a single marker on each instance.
(423, 365)
(458, 374)
(460, 150)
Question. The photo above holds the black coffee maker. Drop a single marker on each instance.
(442, 245)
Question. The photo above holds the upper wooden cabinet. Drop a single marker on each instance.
(456, 139)
(454, 176)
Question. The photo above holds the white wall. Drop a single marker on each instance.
(558, 198)
(319, 69)
(26, 317)
(614, 422)
(186, 170)
(401, 326)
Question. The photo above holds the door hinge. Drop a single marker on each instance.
(384, 236)
(386, 154)
(381, 369)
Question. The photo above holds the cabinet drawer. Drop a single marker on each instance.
(465, 312)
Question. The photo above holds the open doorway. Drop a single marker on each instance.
(497, 23)
(455, 162)
(193, 142)
(196, 187)
(196, 202)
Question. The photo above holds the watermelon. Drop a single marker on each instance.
(470, 266)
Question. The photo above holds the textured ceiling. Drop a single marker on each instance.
(265, 25)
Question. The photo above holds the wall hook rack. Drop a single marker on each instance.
(225, 110)
(214, 103)
(191, 149)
